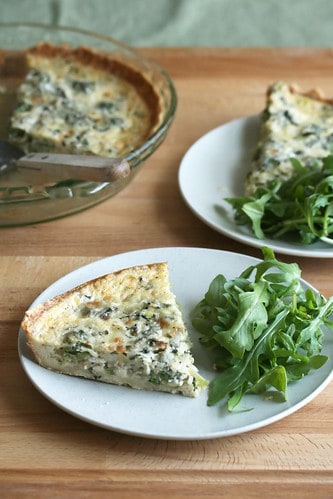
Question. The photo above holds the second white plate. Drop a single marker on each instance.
(214, 168)
(161, 415)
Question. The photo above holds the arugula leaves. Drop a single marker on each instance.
(301, 207)
(264, 329)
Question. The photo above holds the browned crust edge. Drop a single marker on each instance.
(314, 93)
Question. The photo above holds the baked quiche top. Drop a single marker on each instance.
(123, 328)
(82, 101)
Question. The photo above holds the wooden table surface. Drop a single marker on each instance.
(47, 452)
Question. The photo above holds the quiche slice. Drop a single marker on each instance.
(123, 328)
(294, 125)
(80, 101)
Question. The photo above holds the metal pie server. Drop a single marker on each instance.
(53, 167)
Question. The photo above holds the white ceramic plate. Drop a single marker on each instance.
(214, 168)
(161, 415)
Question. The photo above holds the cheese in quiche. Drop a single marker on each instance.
(81, 101)
(294, 125)
(123, 328)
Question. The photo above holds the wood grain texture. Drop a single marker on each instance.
(45, 452)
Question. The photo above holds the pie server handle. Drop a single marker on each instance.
(74, 166)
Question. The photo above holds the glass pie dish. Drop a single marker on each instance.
(24, 201)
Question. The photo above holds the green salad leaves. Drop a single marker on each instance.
(264, 329)
(301, 207)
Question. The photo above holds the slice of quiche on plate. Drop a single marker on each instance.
(294, 125)
(123, 328)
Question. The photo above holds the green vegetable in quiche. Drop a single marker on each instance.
(300, 208)
(264, 328)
